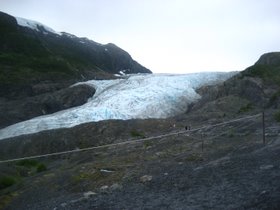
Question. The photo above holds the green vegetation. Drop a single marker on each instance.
(21, 169)
(135, 133)
(277, 116)
(274, 97)
(31, 165)
(41, 167)
(27, 163)
(147, 144)
(266, 72)
(6, 181)
(6, 199)
(246, 108)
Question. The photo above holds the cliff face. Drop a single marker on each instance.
(31, 53)
(251, 90)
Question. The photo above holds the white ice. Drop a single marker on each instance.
(34, 25)
(140, 96)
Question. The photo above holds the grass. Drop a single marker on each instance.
(6, 181)
(135, 133)
(32, 166)
(6, 199)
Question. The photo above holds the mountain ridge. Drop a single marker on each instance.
(29, 57)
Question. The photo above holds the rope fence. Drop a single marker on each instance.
(133, 141)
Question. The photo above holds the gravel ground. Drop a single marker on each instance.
(232, 172)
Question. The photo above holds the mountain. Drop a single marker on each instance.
(38, 65)
(227, 159)
(31, 54)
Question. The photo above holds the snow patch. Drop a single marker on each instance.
(122, 73)
(139, 96)
(34, 25)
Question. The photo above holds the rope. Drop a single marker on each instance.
(131, 141)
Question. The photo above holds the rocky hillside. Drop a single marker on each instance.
(216, 164)
(37, 66)
(253, 89)
(31, 56)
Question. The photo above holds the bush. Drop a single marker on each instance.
(32, 164)
(277, 116)
(28, 163)
(41, 167)
(6, 181)
(135, 133)
(246, 108)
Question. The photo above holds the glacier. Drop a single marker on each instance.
(34, 25)
(139, 96)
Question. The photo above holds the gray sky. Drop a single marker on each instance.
(167, 36)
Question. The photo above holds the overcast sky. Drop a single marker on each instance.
(167, 36)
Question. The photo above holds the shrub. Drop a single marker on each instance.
(135, 133)
(41, 167)
(6, 181)
(32, 164)
(28, 163)
(277, 116)
(147, 144)
(245, 108)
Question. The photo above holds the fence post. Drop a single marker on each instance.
(263, 127)
(202, 143)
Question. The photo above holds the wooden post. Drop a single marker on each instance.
(202, 143)
(263, 125)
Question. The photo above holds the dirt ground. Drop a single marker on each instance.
(223, 167)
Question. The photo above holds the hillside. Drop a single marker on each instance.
(31, 53)
(38, 66)
(220, 163)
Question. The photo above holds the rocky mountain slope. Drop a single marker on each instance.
(220, 163)
(36, 62)
(30, 54)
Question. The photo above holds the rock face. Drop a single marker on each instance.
(20, 110)
(255, 88)
(37, 65)
(272, 58)
(33, 56)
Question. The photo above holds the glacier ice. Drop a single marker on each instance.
(137, 96)
(34, 25)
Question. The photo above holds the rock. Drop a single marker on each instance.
(66, 98)
(106, 171)
(146, 178)
(116, 186)
(20, 110)
(104, 188)
(266, 167)
(63, 205)
(89, 194)
(272, 58)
